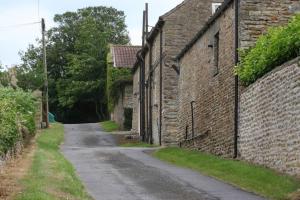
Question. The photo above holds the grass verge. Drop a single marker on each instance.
(109, 126)
(252, 178)
(137, 144)
(51, 176)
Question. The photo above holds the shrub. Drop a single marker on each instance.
(17, 111)
(276, 47)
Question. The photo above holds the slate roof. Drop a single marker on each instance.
(124, 56)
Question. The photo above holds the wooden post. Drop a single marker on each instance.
(45, 89)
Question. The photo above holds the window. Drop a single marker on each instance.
(215, 7)
(216, 54)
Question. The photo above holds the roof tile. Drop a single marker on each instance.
(124, 56)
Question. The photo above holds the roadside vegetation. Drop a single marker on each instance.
(77, 48)
(276, 47)
(109, 126)
(137, 144)
(252, 178)
(17, 117)
(51, 176)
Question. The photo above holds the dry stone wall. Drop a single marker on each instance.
(269, 130)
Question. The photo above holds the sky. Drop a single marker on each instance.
(14, 39)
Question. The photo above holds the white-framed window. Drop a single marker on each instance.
(215, 6)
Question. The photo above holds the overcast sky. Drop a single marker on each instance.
(14, 12)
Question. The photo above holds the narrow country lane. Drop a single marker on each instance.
(114, 173)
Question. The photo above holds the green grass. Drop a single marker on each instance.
(51, 176)
(137, 144)
(109, 126)
(252, 178)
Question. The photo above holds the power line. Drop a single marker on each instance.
(18, 25)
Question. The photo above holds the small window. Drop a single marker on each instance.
(215, 7)
(216, 54)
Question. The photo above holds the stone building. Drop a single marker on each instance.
(208, 95)
(155, 81)
(120, 62)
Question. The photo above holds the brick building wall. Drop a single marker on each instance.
(180, 25)
(213, 93)
(125, 101)
(269, 120)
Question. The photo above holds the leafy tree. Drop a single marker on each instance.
(30, 72)
(76, 56)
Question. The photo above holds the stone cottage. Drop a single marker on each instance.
(120, 62)
(208, 90)
(155, 81)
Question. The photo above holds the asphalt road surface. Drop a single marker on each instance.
(114, 173)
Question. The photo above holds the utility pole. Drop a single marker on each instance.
(45, 104)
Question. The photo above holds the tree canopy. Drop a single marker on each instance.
(76, 55)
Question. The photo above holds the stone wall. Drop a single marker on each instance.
(136, 102)
(257, 16)
(213, 93)
(269, 130)
(125, 101)
(181, 24)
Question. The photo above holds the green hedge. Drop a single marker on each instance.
(276, 47)
(17, 111)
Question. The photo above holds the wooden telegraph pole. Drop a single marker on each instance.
(45, 123)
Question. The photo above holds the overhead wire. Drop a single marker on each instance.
(18, 25)
(3, 28)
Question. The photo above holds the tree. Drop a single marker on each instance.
(76, 55)
(30, 72)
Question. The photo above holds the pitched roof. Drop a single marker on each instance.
(174, 9)
(206, 26)
(124, 56)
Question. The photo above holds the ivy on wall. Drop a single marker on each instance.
(117, 79)
(272, 49)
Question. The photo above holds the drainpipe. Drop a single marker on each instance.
(236, 85)
(160, 82)
(147, 109)
(142, 83)
(150, 94)
(143, 31)
(192, 110)
(142, 97)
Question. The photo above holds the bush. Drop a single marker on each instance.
(278, 46)
(17, 111)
